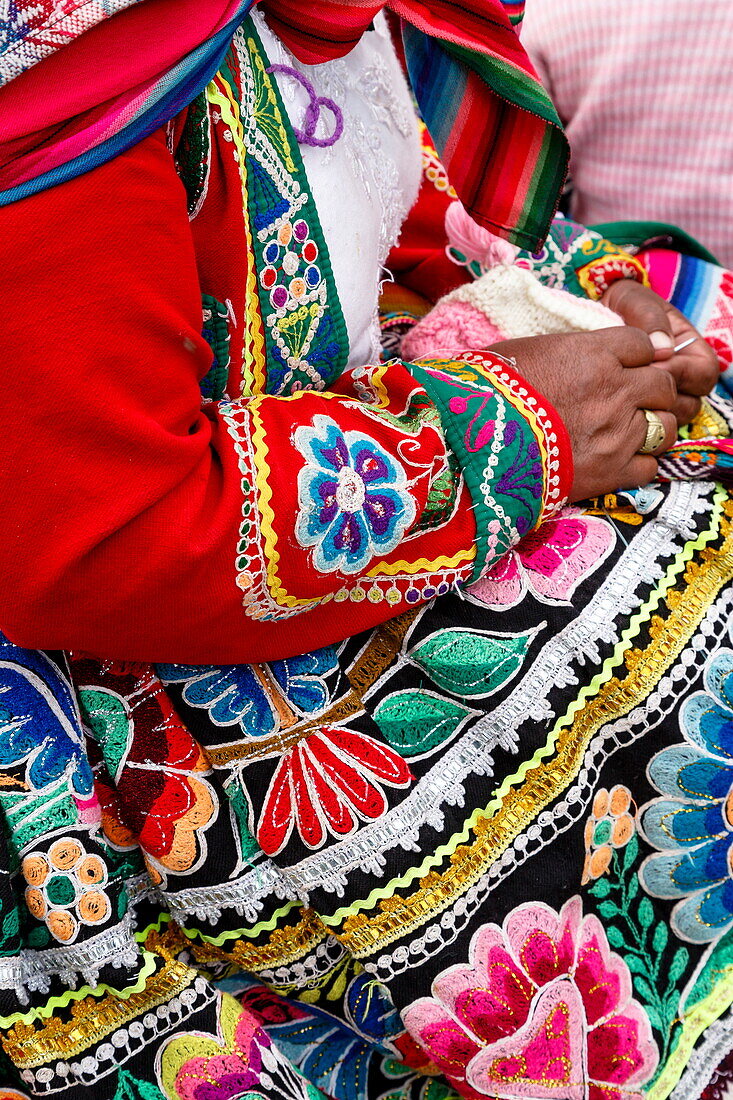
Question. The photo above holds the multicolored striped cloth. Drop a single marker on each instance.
(80, 86)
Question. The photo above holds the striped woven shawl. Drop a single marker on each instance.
(84, 80)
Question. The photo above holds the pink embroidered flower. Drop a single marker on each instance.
(327, 783)
(223, 1074)
(549, 562)
(544, 1009)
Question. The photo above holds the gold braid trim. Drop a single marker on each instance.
(284, 946)
(365, 934)
(93, 1018)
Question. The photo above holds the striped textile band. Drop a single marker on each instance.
(76, 94)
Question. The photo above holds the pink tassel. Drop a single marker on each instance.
(474, 242)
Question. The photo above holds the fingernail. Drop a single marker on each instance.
(661, 340)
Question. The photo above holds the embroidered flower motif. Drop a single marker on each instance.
(609, 826)
(326, 783)
(549, 562)
(354, 498)
(337, 1055)
(243, 694)
(165, 810)
(692, 823)
(544, 1009)
(66, 888)
(231, 1065)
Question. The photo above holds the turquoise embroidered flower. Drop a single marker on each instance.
(692, 823)
(353, 497)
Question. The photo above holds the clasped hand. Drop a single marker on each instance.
(600, 383)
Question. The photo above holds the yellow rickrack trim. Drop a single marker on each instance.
(364, 934)
(638, 620)
(68, 996)
(91, 1019)
(700, 1017)
(394, 568)
(267, 515)
(254, 363)
(285, 946)
(267, 519)
(619, 264)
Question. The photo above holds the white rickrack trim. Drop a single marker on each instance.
(245, 896)
(552, 500)
(123, 1044)
(308, 972)
(551, 824)
(31, 971)
(704, 1060)
(473, 754)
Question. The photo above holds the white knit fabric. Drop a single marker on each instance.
(645, 90)
(364, 184)
(517, 304)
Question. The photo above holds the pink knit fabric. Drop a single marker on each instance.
(450, 327)
(644, 89)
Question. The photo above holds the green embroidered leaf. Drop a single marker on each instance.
(654, 1018)
(631, 851)
(661, 935)
(436, 1090)
(646, 913)
(644, 989)
(415, 721)
(634, 963)
(601, 889)
(615, 936)
(474, 663)
(249, 849)
(679, 963)
(130, 1088)
(608, 910)
(633, 887)
(106, 716)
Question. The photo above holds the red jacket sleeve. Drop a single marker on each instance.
(141, 523)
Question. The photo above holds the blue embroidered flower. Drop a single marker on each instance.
(353, 496)
(42, 730)
(692, 823)
(244, 693)
(334, 1055)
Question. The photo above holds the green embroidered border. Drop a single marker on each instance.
(498, 451)
(312, 328)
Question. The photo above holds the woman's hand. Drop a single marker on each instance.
(599, 382)
(695, 369)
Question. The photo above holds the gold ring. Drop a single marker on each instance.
(655, 433)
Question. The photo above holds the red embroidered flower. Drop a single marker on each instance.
(327, 783)
(722, 349)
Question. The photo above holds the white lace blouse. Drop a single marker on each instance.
(365, 183)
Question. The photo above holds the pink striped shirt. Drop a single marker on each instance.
(645, 88)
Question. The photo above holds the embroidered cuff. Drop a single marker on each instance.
(596, 276)
(581, 261)
(512, 446)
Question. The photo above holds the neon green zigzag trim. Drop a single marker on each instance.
(241, 933)
(64, 999)
(446, 850)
